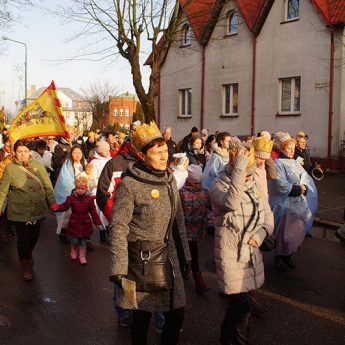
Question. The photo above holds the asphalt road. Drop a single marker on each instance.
(68, 304)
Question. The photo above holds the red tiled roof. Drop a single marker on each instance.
(198, 14)
(332, 11)
(159, 46)
(250, 10)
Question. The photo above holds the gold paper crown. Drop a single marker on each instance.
(261, 144)
(251, 159)
(143, 134)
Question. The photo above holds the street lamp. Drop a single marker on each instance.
(26, 65)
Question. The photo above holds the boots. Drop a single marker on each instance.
(103, 236)
(27, 270)
(63, 236)
(200, 285)
(74, 252)
(82, 255)
(287, 259)
(279, 264)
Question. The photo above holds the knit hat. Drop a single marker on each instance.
(194, 173)
(262, 147)
(102, 146)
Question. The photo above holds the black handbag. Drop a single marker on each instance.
(149, 266)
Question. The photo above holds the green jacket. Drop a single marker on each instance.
(27, 201)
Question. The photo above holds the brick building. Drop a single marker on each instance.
(121, 109)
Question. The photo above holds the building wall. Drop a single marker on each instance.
(297, 48)
(128, 106)
(228, 61)
(181, 70)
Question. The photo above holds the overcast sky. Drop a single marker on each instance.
(47, 39)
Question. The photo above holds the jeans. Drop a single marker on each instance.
(27, 237)
(79, 241)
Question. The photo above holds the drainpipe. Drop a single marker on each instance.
(330, 104)
(159, 101)
(202, 88)
(252, 119)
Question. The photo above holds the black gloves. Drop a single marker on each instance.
(116, 279)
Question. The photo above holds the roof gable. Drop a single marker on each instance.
(250, 10)
(332, 11)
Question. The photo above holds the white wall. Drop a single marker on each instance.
(181, 70)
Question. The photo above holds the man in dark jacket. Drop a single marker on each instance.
(185, 146)
(172, 147)
(301, 151)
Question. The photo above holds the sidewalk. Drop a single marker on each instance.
(331, 191)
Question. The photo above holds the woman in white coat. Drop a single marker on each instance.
(240, 214)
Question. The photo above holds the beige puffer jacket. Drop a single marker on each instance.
(240, 214)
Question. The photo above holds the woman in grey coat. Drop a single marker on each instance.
(146, 202)
(242, 224)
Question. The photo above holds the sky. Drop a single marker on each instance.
(47, 38)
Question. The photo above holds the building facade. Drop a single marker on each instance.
(76, 109)
(259, 64)
(121, 109)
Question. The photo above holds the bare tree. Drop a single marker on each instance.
(131, 24)
(98, 95)
(9, 11)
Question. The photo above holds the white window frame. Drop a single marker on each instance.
(286, 11)
(186, 35)
(230, 86)
(121, 112)
(116, 112)
(184, 95)
(127, 112)
(292, 110)
(230, 16)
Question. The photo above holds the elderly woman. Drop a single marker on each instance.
(147, 213)
(293, 198)
(29, 190)
(241, 227)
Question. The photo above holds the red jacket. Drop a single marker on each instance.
(79, 223)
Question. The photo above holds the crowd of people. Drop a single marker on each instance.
(153, 200)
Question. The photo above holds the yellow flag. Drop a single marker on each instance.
(2, 118)
(43, 117)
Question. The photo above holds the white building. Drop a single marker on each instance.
(76, 109)
(248, 65)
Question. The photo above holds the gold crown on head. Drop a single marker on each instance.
(143, 134)
(261, 144)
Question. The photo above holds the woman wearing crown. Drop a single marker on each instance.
(147, 209)
(293, 199)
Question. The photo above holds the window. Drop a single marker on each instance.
(230, 97)
(291, 9)
(121, 112)
(186, 102)
(186, 35)
(116, 112)
(290, 95)
(127, 112)
(232, 23)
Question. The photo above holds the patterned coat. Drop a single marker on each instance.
(196, 207)
(141, 211)
(79, 223)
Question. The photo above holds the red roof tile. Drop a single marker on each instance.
(250, 10)
(332, 11)
(198, 13)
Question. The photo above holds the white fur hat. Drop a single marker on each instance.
(195, 173)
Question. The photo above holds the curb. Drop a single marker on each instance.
(318, 220)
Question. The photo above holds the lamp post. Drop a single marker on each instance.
(26, 65)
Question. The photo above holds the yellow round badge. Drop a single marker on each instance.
(155, 193)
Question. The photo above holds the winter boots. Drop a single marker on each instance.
(74, 252)
(82, 255)
(283, 262)
(27, 269)
(200, 285)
